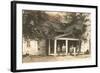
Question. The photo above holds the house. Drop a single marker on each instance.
(59, 45)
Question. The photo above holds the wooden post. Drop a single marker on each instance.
(66, 47)
(49, 48)
(74, 51)
(55, 45)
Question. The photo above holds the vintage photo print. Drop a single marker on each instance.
(55, 35)
(50, 36)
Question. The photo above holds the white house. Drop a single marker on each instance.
(60, 44)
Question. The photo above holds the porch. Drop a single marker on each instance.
(63, 46)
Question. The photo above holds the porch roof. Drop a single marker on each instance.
(67, 36)
(66, 39)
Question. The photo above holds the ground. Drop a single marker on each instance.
(30, 59)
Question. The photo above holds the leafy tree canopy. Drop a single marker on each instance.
(38, 24)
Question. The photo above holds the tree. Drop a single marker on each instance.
(32, 23)
(81, 17)
(78, 22)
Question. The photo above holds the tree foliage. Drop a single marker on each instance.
(32, 23)
(78, 21)
(39, 25)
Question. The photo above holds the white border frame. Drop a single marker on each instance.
(38, 65)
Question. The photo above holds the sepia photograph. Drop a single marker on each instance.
(55, 36)
(48, 36)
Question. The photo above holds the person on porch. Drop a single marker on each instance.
(58, 49)
(71, 50)
(63, 48)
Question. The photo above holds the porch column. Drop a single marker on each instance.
(49, 48)
(66, 47)
(55, 45)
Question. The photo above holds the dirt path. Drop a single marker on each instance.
(29, 59)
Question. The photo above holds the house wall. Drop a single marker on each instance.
(42, 47)
(36, 47)
(32, 50)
